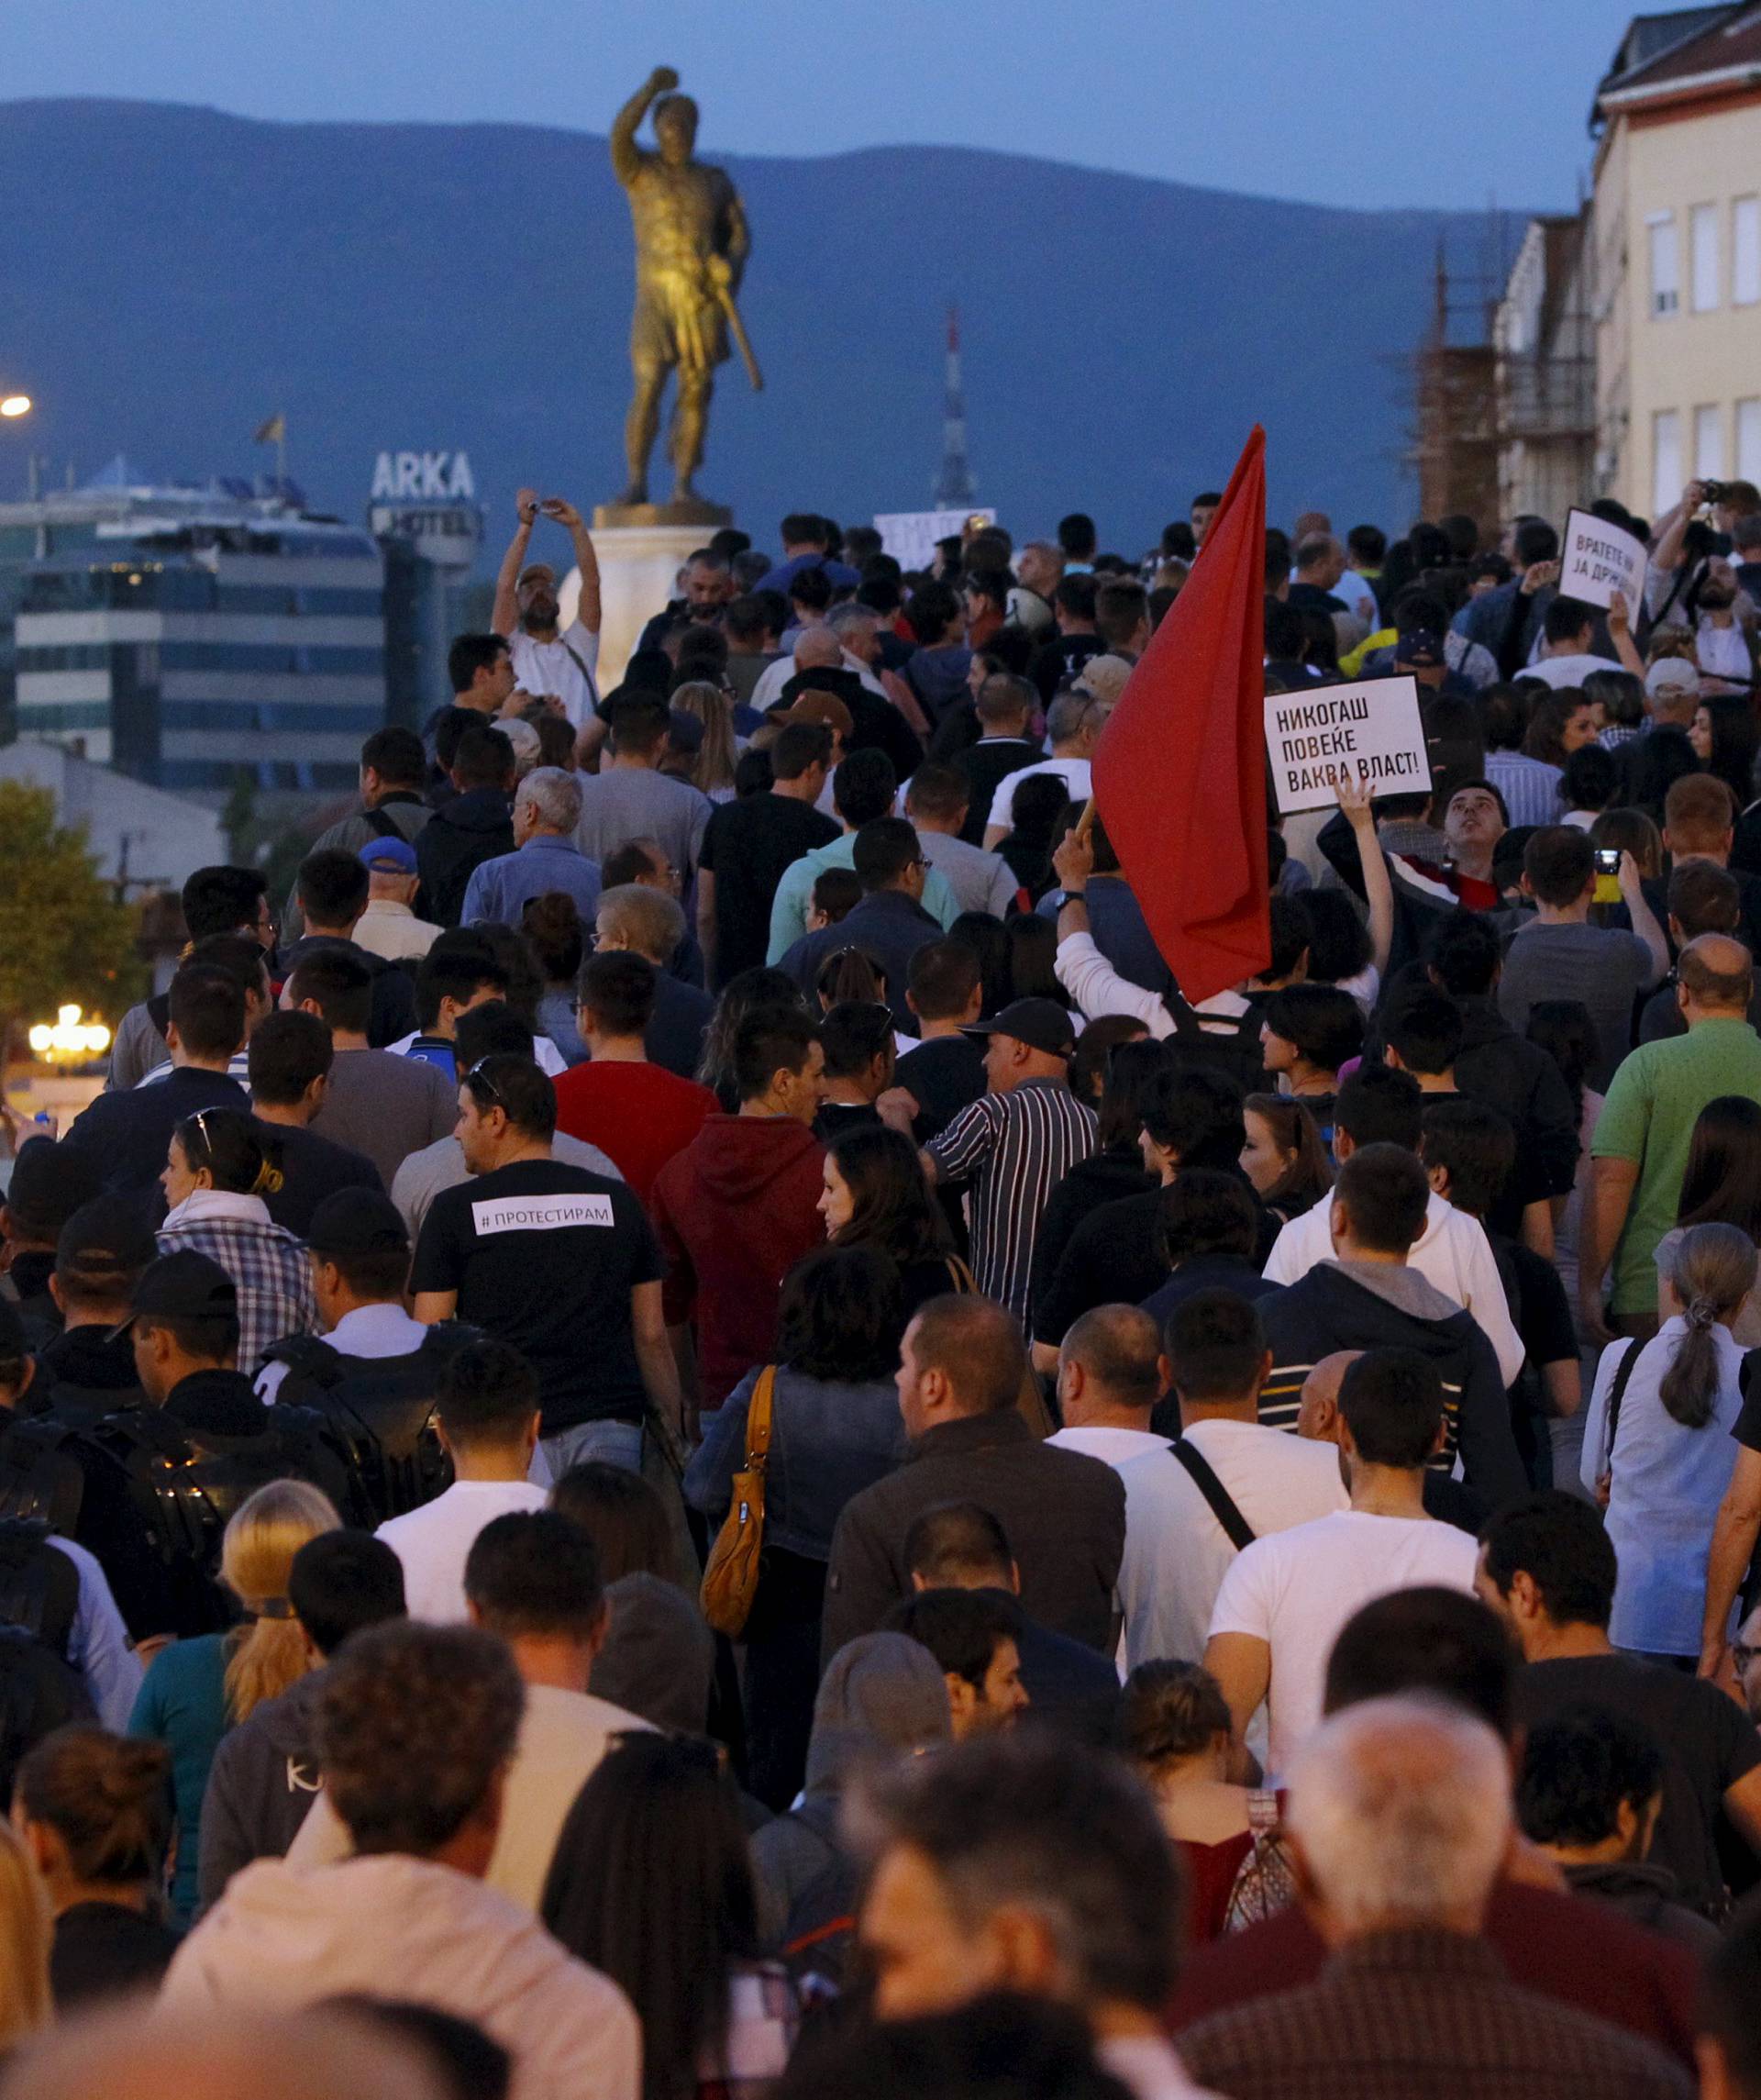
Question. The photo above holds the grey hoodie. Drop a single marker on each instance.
(263, 1779)
(882, 1696)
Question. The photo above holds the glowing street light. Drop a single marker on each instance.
(15, 404)
(69, 1040)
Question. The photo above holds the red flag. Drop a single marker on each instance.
(1179, 772)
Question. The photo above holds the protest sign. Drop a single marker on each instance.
(909, 536)
(1324, 734)
(1598, 559)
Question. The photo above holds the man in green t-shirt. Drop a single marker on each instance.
(1639, 1151)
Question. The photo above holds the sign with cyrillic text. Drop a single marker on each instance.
(909, 536)
(1598, 559)
(540, 1213)
(1370, 733)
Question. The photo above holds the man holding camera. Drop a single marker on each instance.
(560, 664)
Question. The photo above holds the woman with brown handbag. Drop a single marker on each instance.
(834, 1428)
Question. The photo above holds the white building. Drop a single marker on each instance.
(141, 836)
(1676, 267)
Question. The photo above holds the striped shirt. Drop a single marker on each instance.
(1013, 1150)
(1530, 787)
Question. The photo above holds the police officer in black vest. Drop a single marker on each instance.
(375, 1378)
(160, 1481)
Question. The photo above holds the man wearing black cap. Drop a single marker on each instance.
(1015, 1144)
(88, 1370)
(375, 1377)
(160, 1481)
(50, 1183)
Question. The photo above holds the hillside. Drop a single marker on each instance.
(169, 277)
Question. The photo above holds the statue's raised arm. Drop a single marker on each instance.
(626, 155)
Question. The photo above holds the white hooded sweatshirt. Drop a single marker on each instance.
(391, 1926)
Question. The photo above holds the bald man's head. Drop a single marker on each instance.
(1318, 1415)
(1715, 974)
(328, 2054)
(817, 649)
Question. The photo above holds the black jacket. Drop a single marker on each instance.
(1064, 1515)
(876, 724)
(126, 1134)
(887, 925)
(475, 826)
(1500, 1069)
(1334, 1308)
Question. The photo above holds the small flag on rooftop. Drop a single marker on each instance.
(274, 432)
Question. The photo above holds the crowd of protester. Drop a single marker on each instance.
(682, 1430)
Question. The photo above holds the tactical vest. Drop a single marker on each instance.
(184, 1485)
(379, 1411)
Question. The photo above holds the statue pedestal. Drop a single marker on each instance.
(638, 564)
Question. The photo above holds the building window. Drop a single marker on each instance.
(1666, 461)
(1703, 249)
(1748, 439)
(1745, 251)
(1709, 445)
(1665, 264)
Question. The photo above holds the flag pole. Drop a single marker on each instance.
(280, 454)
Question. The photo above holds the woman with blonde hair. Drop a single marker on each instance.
(26, 1930)
(195, 1689)
(1659, 1446)
(219, 1166)
(95, 1811)
(713, 763)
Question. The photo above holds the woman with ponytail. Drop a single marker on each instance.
(95, 1811)
(219, 1166)
(195, 1689)
(1658, 1448)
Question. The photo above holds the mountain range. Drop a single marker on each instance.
(171, 276)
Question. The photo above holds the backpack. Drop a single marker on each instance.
(1263, 1882)
(1225, 1043)
(380, 1410)
(819, 1934)
(40, 1586)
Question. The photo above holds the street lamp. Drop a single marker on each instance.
(15, 404)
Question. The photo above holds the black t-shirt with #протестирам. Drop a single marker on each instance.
(545, 1256)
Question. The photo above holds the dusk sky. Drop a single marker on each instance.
(1364, 103)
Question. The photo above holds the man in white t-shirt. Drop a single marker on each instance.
(1073, 724)
(486, 1415)
(1568, 629)
(1179, 1541)
(531, 1578)
(1285, 1598)
(560, 663)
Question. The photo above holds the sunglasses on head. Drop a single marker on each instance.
(481, 1084)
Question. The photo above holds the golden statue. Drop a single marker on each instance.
(691, 247)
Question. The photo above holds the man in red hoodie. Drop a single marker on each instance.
(737, 1210)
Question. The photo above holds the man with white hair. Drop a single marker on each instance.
(389, 927)
(547, 808)
(1399, 1824)
(1073, 724)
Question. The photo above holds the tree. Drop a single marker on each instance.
(64, 935)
